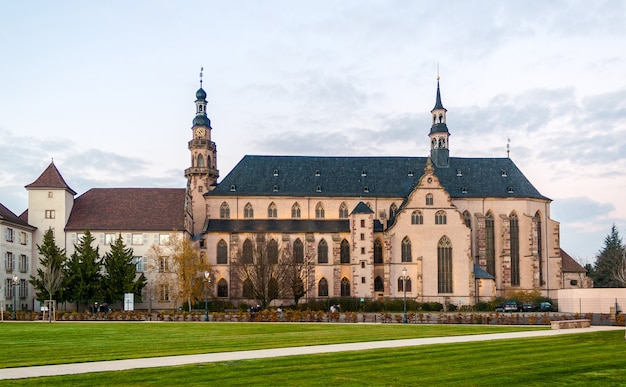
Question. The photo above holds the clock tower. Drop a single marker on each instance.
(202, 174)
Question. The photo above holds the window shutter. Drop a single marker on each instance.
(145, 239)
(145, 263)
(73, 238)
(156, 239)
(6, 261)
(101, 239)
(129, 239)
(26, 238)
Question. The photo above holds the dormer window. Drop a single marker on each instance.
(317, 173)
(318, 189)
(464, 190)
(510, 190)
(275, 172)
(504, 173)
(459, 173)
(410, 173)
(233, 188)
(364, 173)
(275, 189)
(366, 189)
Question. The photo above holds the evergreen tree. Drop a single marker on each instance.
(83, 272)
(48, 282)
(608, 261)
(119, 276)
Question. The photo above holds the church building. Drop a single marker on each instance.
(441, 228)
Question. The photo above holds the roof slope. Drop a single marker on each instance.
(371, 177)
(569, 264)
(8, 216)
(147, 209)
(51, 178)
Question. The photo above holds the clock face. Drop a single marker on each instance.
(200, 132)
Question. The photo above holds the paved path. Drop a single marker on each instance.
(166, 361)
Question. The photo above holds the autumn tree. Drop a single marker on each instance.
(83, 272)
(119, 273)
(608, 261)
(267, 271)
(48, 283)
(187, 266)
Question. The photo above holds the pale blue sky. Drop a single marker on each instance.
(107, 90)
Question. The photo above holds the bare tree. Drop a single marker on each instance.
(620, 270)
(267, 271)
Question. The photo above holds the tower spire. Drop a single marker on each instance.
(201, 70)
(439, 135)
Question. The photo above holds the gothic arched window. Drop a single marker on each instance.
(343, 211)
(224, 211)
(322, 288)
(222, 252)
(378, 251)
(417, 217)
(378, 284)
(406, 250)
(298, 251)
(440, 217)
(322, 252)
(444, 265)
(295, 211)
(222, 288)
(246, 254)
(200, 162)
(272, 212)
(344, 252)
(248, 211)
(272, 252)
(345, 287)
(514, 230)
(319, 211)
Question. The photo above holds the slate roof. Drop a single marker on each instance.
(367, 177)
(276, 225)
(480, 273)
(8, 216)
(51, 178)
(121, 209)
(569, 264)
(362, 208)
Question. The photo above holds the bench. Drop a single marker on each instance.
(566, 324)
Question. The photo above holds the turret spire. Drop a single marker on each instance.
(439, 135)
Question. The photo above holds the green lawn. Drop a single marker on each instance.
(591, 359)
(42, 343)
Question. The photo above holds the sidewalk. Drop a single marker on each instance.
(166, 361)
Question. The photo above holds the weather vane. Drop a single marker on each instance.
(508, 150)
(201, 70)
(437, 70)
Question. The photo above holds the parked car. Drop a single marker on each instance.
(545, 307)
(510, 306)
(528, 307)
(500, 308)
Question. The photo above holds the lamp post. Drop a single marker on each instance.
(404, 288)
(207, 279)
(16, 280)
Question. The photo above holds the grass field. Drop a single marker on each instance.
(41, 343)
(575, 359)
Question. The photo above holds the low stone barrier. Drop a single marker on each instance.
(566, 324)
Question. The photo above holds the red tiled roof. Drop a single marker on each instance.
(569, 264)
(120, 209)
(9, 216)
(51, 178)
